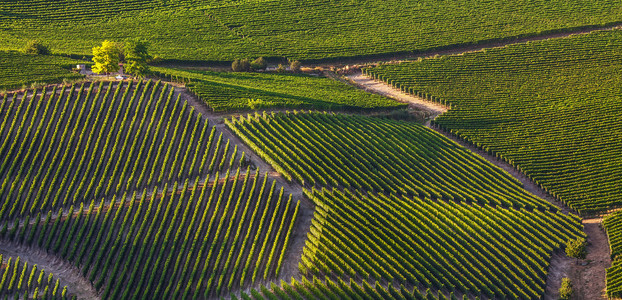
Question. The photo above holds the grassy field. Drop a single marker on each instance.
(301, 29)
(18, 70)
(477, 231)
(225, 91)
(551, 108)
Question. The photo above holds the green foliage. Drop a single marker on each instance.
(552, 109)
(416, 241)
(259, 64)
(18, 70)
(233, 91)
(225, 30)
(241, 65)
(35, 47)
(106, 58)
(565, 291)
(380, 155)
(614, 279)
(136, 57)
(576, 248)
(16, 279)
(147, 227)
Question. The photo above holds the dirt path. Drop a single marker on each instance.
(69, 275)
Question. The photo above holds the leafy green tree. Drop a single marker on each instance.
(35, 47)
(295, 66)
(136, 57)
(241, 65)
(106, 58)
(576, 248)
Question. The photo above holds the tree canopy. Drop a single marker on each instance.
(106, 58)
(136, 57)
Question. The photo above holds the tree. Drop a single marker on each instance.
(576, 248)
(106, 58)
(35, 47)
(295, 66)
(259, 64)
(241, 65)
(136, 57)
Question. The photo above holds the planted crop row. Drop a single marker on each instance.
(67, 145)
(552, 109)
(191, 240)
(20, 279)
(339, 289)
(355, 152)
(474, 249)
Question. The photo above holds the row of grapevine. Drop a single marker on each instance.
(339, 289)
(355, 152)
(552, 109)
(187, 240)
(231, 91)
(18, 69)
(474, 249)
(72, 144)
(19, 279)
(613, 226)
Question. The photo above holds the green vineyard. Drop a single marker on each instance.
(613, 226)
(497, 252)
(67, 145)
(552, 109)
(203, 239)
(301, 29)
(230, 91)
(19, 279)
(355, 152)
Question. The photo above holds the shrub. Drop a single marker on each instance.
(242, 65)
(565, 291)
(259, 64)
(35, 47)
(295, 66)
(280, 68)
(576, 248)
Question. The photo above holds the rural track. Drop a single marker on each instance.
(587, 276)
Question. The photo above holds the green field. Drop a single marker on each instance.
(244, 91)
(18, 70)
(469, 228)
(226, 29)
(551, 109)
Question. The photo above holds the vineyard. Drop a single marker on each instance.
(243, 91)
(61, 146)
(482, 250)
(19, 279)
(301, 29)
(368, 154)
(18, 70)
(191, 240)
(552, 109)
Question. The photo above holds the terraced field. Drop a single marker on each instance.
(551, 108)
(301, 29)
